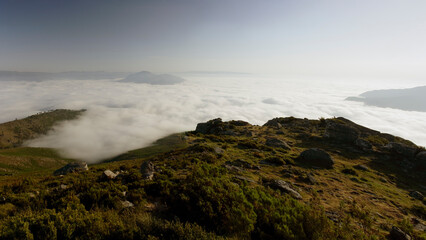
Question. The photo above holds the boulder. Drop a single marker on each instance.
(417, 195)
(401, 149)
(275, 142)
(127, 204)
(283, 186)
(273, 123)
(363, 144)
(398, 234)
(340, 132)
(148, 170)
(317, 158)
(217, 126)
(108, 175)
(71, 167)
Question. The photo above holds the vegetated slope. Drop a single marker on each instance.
(238, 181)
(14, 133)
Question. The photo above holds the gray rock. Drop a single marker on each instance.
(217, 126)
(362, 167)
(363, 144)
(417, 195)
(275, 142)
(108, 174)
(311, 179)
(340, 132)
(218, 150)
(245, 179)
(316, 157)
(148, 170)
(284, 187)
(398, 234)
(273, 123)
(127, 204)
(71, 167)
(401, 149)
(240, 163)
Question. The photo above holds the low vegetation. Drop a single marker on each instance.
(222, 183)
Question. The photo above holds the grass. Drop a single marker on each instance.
(193, 192)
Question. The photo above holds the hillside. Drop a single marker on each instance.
(289, 179)
(14, 133)
(410, 99)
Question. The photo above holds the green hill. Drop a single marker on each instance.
(289, 179)
(14, 133)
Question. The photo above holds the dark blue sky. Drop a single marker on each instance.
(293, 37)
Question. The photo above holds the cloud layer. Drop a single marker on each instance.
(125, 116)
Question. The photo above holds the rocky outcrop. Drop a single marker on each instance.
(340, 132)
(218, 127)
(363, 144)
(108, 175)
(275, 142)
(71, 167)
(283, 186)
(316, 157)
(148, 170)
(401, 149)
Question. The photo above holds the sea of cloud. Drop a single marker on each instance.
(125, 116)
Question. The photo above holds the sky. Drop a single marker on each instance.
(383, 38)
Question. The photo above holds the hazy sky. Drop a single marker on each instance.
(386, 38)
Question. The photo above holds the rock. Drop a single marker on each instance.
(71, 167)
(316, 157)
(209, 127)
(244, 179)
(363, 144)
(361, 167)
(127, 204)
(340, 132)
(420, 160)
(273, 123)
(108, 175)
(233, 168)
(240, 163)
(398, 234)
(417, 195)
(218, 150)
(284, 187)
(275, 142)
(148, 170)
(239, 123)
(401, 149)
(311, 179)
(63, 186)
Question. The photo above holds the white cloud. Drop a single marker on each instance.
(125, 116)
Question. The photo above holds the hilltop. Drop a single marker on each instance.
(291, 178)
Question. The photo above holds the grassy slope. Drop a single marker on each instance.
(14, 133)
(382, 192)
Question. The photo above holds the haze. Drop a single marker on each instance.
(356, 38)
